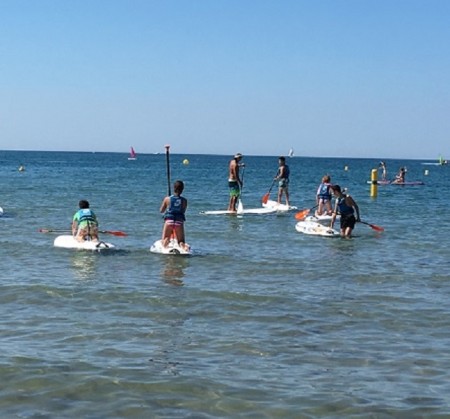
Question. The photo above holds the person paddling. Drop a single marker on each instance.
(401, 176)
(383, 168)
(283, 179)
(346, 207)
(234, 181)
(174, 208)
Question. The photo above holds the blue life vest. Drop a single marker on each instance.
(324, 191)
(85, 217)
(175, 209)
(286, 172)
(344, 209)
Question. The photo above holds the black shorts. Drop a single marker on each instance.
(348, 221)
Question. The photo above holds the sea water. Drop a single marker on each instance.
(262, 322)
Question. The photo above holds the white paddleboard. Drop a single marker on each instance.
(320, 218)
(173, 248)
(243, 212)
(315, 229)
(278, 207)
(69, 242)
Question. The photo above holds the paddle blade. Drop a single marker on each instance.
(373, 226)
(115, 233)
(376, 228)
(301, 215)
(45, 230)
(240, 208)
(265, 198)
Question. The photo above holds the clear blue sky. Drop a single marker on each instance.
(340, 78)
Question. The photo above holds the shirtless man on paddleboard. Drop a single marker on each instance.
(234, 181)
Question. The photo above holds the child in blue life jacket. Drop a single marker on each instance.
(174, 208)
(323, 196)
(84, 223)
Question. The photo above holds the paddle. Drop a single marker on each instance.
(373, 226)
(168, 169)
(114, 233)
(240, 208)
(169, 192)
(301, 215)
(265, 198)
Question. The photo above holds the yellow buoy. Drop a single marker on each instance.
(374, 183)
(185, 161)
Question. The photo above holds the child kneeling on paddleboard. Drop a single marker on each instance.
(323, 196)
(84, 223)
(174, 208)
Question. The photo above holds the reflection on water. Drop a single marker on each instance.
(84, 264)
(173, 269)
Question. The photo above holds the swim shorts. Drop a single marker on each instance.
(235, 191)
(283, 183)
(348, 221)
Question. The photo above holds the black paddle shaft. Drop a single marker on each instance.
(168, 169)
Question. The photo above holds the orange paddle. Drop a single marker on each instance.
(301, 215)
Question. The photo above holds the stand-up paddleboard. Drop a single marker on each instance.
(279, 207)
(173, 248)
(69, 242)
(391, 182)
(315, 229)
(242, 212)
(320, 218)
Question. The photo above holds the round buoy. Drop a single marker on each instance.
(185, 161)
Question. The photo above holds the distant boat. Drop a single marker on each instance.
(291, 152)
(133, 155)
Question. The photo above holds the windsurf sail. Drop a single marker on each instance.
(133, 155)
(291, 152)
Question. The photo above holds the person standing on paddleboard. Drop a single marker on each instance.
(84, 223)
(234, 181)
(346, 207)
(174, 207)
(283, 179)
(323, 196)
(383, 170)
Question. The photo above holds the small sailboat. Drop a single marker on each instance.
(133, 155)
(291, 152)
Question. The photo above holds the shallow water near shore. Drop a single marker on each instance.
(261, 322)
